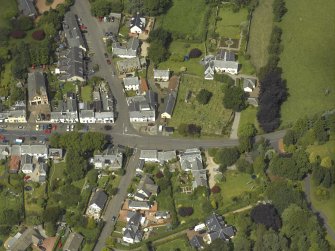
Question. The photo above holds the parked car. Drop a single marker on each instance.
(37, 127)
(3, 126)
(108, 61)
(113, 218)
(50, 126)
(106, 55)
(33, 138)
(20, 127)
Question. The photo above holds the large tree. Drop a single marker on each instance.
(267, 215)
(234, 98)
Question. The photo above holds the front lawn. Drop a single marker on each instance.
(177, 244)
(249, 116)
(212, 117)
(308, 60)
(230, 24)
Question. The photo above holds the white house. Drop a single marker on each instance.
(138, 205)
(132, 233)
(137, 24)
(149, 155)
(97, 204)
(167, 114)
(161, 75)
(131, 83)
(225, 62)
(249, 84)
(87, 117)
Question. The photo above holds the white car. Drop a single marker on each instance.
(67, 128)
(37, 127)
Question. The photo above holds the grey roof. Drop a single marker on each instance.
(110, 159)
(130, 64)
(99, 198)
(138, 204)
(148, 185)
(151, 98)
(162, 214)
(56, 152)
(131, 81)
(26, 159)
(141, 196)
(72, 32)
(248, 82)
(132, 229)
(140, 165)
(159, 74)
(136, 21)
(170, 103)
(34, 149)
(214, 222)
(225, 64)
(218, 229)
(71, 63)
(36, 85)
(197, 242)
(42, 172)
(225, 55)
(148, 154)
(200, 178)
(27, 167)
(21, 241)
(27, 8)
(86, 114)
(209, 70)
(166, 156)
(73, 242)
(188, 159)
(142, 107)
(129, 50)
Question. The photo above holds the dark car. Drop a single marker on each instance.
(108, 61)
(106, 55)
(113, 218)
(20, 127)
(108, 127)
(49, 126)
(33, 138)
(28, 188)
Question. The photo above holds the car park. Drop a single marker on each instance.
(33, 138)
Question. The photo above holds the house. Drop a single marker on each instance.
(102, 110)
(166, 156)
(97, 204)
(167, 114)
(40, 173)
(161, 75)
(16, 113)
(72, 32)
(70, 66)
(130, 65)
(225, 62)
(209, 70)
(27, 8)
(66, 111)
(132, 233)
(5, 151)
(73, 242)
(138, 205)
(217, 229)
(197, 242)
(137, 24)
(146, 187)
(142, 108)
(140, 167)
(87, 116)
(131, 83)
(22, 241)
(191, 161)
(56, 153)
(27, 166)
(249, 84)
(126, 51)
(149, 155)
(162, 215)
(111, 160)
(37, 151)
(37, 92)
(14, 164)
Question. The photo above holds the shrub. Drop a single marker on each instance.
(159, 175)
(38, 35)
(266, 215)
(185, 211)
(204, 96)
(18, 34)
(195, 53)
(215, 189)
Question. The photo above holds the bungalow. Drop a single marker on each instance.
(149, 155)
(131, 83)
(167, 114)
(249, 84)
(166, 156)
(72, 32)
(137, 24)
(217, 229)
(110, 159)
(27, 8)
(161, 75)
(97, 204)
(128, 51)
(73, 242)
(37, 92)
(132, 233)
(139, 205)
(146, 188)
(162, 215)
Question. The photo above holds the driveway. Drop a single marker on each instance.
(234, 128)
(211, 167)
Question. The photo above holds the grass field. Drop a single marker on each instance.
(324, 150)
(230, 23)
(31, 197)
(212, 117)
(176, 244)
(7, 11)
(178, 50)
(86, 93)
(308, 59)
(185, 18)
(249, 116)
(260, 31)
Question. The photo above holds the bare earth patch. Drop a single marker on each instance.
(42, 6)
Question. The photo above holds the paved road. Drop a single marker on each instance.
(116, 202)
(329, 229)
(234, 127)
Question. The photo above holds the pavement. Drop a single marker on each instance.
(234, 128)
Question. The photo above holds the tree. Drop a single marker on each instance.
(92, 141)
(290, 138)
(23, 23)
(50, 228)
(204, 96)
(155, 7)
(267, 215)
(244, 166)
(76, 165)
(206, 207)
(216, 189)
(101, 8)
(327, 162)
(70, 195)
(279, 9)
(219, 245)
(52, 214)
(327, 180)
(38, 35)
(157, 52)
(18, 34)
(319, 128)
(227, 156)
(318, 174)
(195, 53)
(234, 99)
(189, 130)
(185, 211)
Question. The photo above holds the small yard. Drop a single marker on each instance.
(249, 116)
(86, 93)
(56, 172)
(34, 200)
(230, 24)
(213, 117)
(185, 19)
(177, 244)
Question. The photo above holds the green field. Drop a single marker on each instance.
(32, 206)
(248, 116)
(212, 117)
(324, 150)
(260, 31)
(7, 11)
(230, 23)
(180, 243)
(86, 93)
(308, 59)
(185, 17)
(178, 50)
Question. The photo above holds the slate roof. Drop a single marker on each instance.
(72, 32)
(27, 8)
(133, 204)
(137, 21)
(129, 50)
(71, 63)
(132, 229)
(166, 156)
(148, 185)
(34, 149)
(36, 85)
(21, 241)
(218, 229)
(99, 198)
(226, 55)
(56, 152)
(170, 103)
(197, 242)
(225, 64)
(131, 81)
(109, 158)
(148, 154)
(248, 82)
(73, 242)
(161, 74)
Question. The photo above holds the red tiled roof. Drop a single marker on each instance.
(143, 85)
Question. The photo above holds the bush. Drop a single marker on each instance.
(185, 211)
(159, 175)
(204, 96)
(18, 34)
(195, 53)
(215, 189)
(38, 35)
(189, 130)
